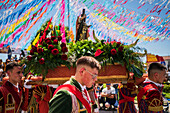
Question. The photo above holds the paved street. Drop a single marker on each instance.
(103, 111)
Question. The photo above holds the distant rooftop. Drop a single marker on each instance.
(166, 57)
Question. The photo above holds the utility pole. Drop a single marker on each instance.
(68, 6)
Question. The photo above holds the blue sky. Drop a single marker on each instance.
(161, 47)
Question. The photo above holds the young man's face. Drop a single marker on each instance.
(15, 75)
(90, 76)
(161, 76)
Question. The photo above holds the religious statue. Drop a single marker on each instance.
(81, 27)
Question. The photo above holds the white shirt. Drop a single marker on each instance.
(109, 91)
(157, 84)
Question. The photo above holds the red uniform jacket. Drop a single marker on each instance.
(149, 98)
(12, 101)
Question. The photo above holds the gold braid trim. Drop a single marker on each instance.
(0, 108)
(156, 108)
(1, 98)
(130, 81)
(84, 109)
(125, 107)
(78, 106)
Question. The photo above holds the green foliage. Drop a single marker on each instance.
(40, 62)
(167, 95)
(115, 52)
(166, 88)
(126, 56)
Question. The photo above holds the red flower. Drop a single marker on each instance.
(113, 42)
(59, 38)
(118, 44)
(98, 52)
(59, 26)
(48, 41)
(52, 37)
(63, 45)
(31, 52)
(54, 51)
(113, 51)
(50, 47)
(41, 61)
(34, 48)
(63, 57)
(29, 57)
(40, 50)
(120, 49)
(55, 41)
(64, 49)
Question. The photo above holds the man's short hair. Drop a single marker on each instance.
(11, 65)
(155, 66)
(88, 61)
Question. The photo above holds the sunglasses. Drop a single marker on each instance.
(93, 75)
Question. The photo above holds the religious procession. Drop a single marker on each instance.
(81, 56)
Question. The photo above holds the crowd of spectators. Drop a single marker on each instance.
(3, 65)
(107, 95)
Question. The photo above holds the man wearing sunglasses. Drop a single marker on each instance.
(72, 97)
(11, 92)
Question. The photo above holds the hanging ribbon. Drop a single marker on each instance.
(62, 21)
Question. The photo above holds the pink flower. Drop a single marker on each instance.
(40, 50)
(50, 47)
(98, 52)
(113, 51)
(54, 51)
(41, 61)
